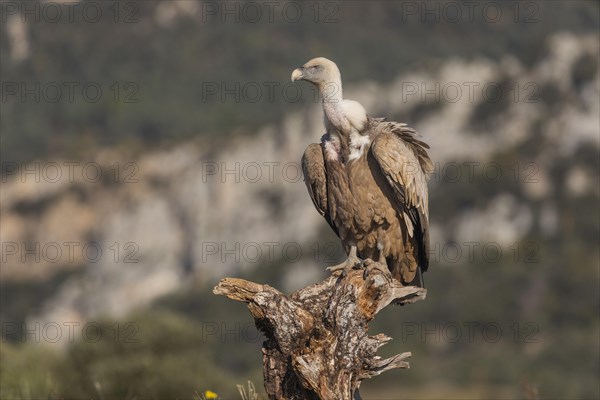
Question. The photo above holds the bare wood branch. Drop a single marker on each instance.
(317, 343)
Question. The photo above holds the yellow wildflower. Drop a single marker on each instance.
(209, 394)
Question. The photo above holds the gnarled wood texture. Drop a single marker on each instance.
(317, 343)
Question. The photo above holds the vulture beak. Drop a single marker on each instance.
(297, 74)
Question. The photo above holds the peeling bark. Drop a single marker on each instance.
(317, 344)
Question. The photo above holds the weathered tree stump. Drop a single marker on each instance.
(317, 344)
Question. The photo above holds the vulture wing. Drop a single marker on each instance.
(315, 178)
(404, 161)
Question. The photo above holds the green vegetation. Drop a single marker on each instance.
(165, 356)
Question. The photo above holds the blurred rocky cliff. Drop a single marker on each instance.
(112, 234)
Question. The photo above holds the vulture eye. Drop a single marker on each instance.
(315, 67)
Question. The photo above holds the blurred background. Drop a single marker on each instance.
(151, 148)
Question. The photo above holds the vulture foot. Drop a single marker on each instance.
(369, 265)
(351, 262)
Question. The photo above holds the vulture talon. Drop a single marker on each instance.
(352, 262)
(368, 262)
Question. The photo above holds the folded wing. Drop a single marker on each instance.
(404, 162)
(315, 178)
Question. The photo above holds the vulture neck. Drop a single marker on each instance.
(331, 92)
(338, 127)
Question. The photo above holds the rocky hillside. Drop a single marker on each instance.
(116, 232)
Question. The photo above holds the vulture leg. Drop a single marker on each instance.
(351, 262)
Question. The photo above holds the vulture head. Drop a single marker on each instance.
(319, 71)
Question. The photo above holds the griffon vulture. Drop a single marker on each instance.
(368, 179)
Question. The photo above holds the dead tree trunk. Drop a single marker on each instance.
(317, 344)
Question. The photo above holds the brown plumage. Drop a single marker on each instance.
(369, 181)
